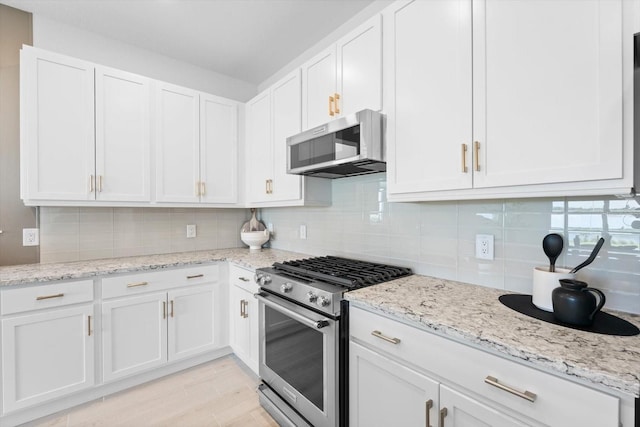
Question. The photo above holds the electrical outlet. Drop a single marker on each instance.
(191, 231)
(303, 231)
(484, 246)
(30, 237)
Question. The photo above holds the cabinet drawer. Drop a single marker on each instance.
(558, 402)
(242, 278)
(46, 296)
(133, 284)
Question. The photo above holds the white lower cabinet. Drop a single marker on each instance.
(405, 376)
(147, 329)
(244, 316)
(386, 393)
(47, 343)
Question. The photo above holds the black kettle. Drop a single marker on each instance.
(574, 302)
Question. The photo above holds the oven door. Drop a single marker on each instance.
(299, 358)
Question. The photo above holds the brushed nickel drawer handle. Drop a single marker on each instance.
(428, 405)
(244, 279)
(380, 335)
(443, 415)
(49, 297)
(133, 285)
(527, 395)
(195, 277)
(89, 325)
(171, 303)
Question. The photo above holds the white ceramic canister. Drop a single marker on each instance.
(544, 282)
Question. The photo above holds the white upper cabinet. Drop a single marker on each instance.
(546, 86)
(428, 95)
(271, 117)
(196, 147)
(57, 128)
(547, 91)
(218, 150)
(345, 78)
(123, 136)
(177, 144)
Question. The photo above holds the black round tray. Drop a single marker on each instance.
(603, 323)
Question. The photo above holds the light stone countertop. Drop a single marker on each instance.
(467, 313)
(472, 314)
(38, 273)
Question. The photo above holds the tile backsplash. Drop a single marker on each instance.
(438, 238)
(73, 234)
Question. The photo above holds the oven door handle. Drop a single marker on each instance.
(318, 324)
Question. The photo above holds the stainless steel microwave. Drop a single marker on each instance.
(348, 146)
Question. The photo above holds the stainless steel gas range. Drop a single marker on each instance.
(304, 336)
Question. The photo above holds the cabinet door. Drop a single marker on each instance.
(46, 355)
(385, 393)
(122, 136)
(428, 95)
(177, 144)
(318, 84)
(218, 149)
(258, 150)
(191, 321)
(286, 115)
(134, 334)
(463, 411)
(57, 141)
(359, 68)
(547, 91)
(244, 326)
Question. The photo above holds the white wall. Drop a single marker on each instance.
(72, 41)
(438, 238)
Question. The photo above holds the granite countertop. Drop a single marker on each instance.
(473, 314)
(467, 313)
(37, 273)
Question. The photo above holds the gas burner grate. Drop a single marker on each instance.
(345, 272)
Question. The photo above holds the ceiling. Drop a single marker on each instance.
(245, 39)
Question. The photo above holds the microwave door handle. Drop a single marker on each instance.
(316, 324)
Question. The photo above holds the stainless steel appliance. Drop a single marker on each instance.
(351, 145)
(304, 336)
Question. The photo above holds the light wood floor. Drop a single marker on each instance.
(218, 393)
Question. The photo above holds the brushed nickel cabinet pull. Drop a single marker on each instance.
(195, 276)
(90, 183)
(171, 302)
(49, 297)
(380, 335)
(100, 183)
(476, 157)
(241, 308)
(526, 395)
(89, 324)
(246, 313)
(335, 104)
(443, 414)
(244, 279)
(464, 158)
(164, 309)
(428, 405)
(134, 285)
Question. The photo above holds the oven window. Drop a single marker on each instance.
(295, 353)
(339, 145)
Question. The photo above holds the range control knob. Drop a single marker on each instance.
(286, 287)
(311, 296)
(324, 301)
(256, 277)
(265, 280)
